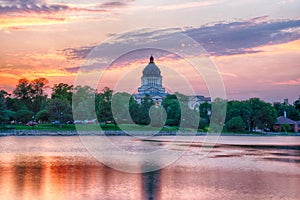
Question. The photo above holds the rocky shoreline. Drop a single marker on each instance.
(121, 133)
(83, 133)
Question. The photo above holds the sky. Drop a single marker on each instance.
(249, 48)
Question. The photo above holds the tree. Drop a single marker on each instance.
(134, 110)
(204, 110)
(37, 94)
(14, 104)
(285, 128)
(43, 115)
(290, 110)
(3, 112)
(120, 107)
(62, 91)
(218, 113)
(172, 107)
(103, 105)
(158, 116)
(31, 93)
(297, 104)
(82, 93)
(235, 124)
(59, 110)
(23, 90)
(239, 109)
(83, 103)
(203, 123)
(263, 114)
(189, 117)
(144, 109)
(24, 115)
(179, 113)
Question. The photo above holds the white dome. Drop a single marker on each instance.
(151, 69)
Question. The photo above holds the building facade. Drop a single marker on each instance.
(151, 84)
(196, 100)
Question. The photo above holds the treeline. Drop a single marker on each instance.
(29, 102)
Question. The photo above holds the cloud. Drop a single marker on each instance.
(42, 6)
(29, 6)
(77, 53)
(240, 37)
(113, 4)
(42, 12)
(288, 82)
(72, 69)
(133, 40)
(187, 5)
(220, 39)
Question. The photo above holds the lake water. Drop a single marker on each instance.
(236, 168)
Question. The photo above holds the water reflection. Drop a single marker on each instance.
(151, 185)
(63, 178)
(51, 171)
(38, 177)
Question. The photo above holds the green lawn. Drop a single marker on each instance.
(125, 127)
(45, 127)
(86, 127)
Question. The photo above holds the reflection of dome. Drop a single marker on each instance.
(151, 69)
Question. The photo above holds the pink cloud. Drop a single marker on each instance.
(288, 82)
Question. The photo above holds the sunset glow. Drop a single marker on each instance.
(255, 45)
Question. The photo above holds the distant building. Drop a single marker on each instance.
(196, 100)
(283, 120)
(286, 101)
(152, 85)
(298, 124)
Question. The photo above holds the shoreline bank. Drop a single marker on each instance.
(129, 133)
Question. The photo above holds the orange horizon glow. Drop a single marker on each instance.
(10, 76)
(34, 39)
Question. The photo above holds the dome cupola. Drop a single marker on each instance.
(151, 69)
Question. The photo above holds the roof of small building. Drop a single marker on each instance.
(284, 120)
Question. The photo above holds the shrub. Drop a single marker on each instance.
(235, 124)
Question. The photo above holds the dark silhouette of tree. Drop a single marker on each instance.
(103, 105)
(83, 102)
(144, 109)
(158, 116)
(30, 102)
(134, 110)
(290, 110)
(24, 115)
(263, 114)
(22, 91)
(37, 94)
(172, 107)
(235, 124)
(31, 94)
(297, 104)
(121, 107)
(239, 109)
(59, 110)
(62, 91)
(4, 116)
(43, 115)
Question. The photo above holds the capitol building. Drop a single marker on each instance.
(152, 86)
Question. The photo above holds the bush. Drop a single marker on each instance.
(24, 115)
(43, 115)
(285, 128)
(235, 124)
(203, 123)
